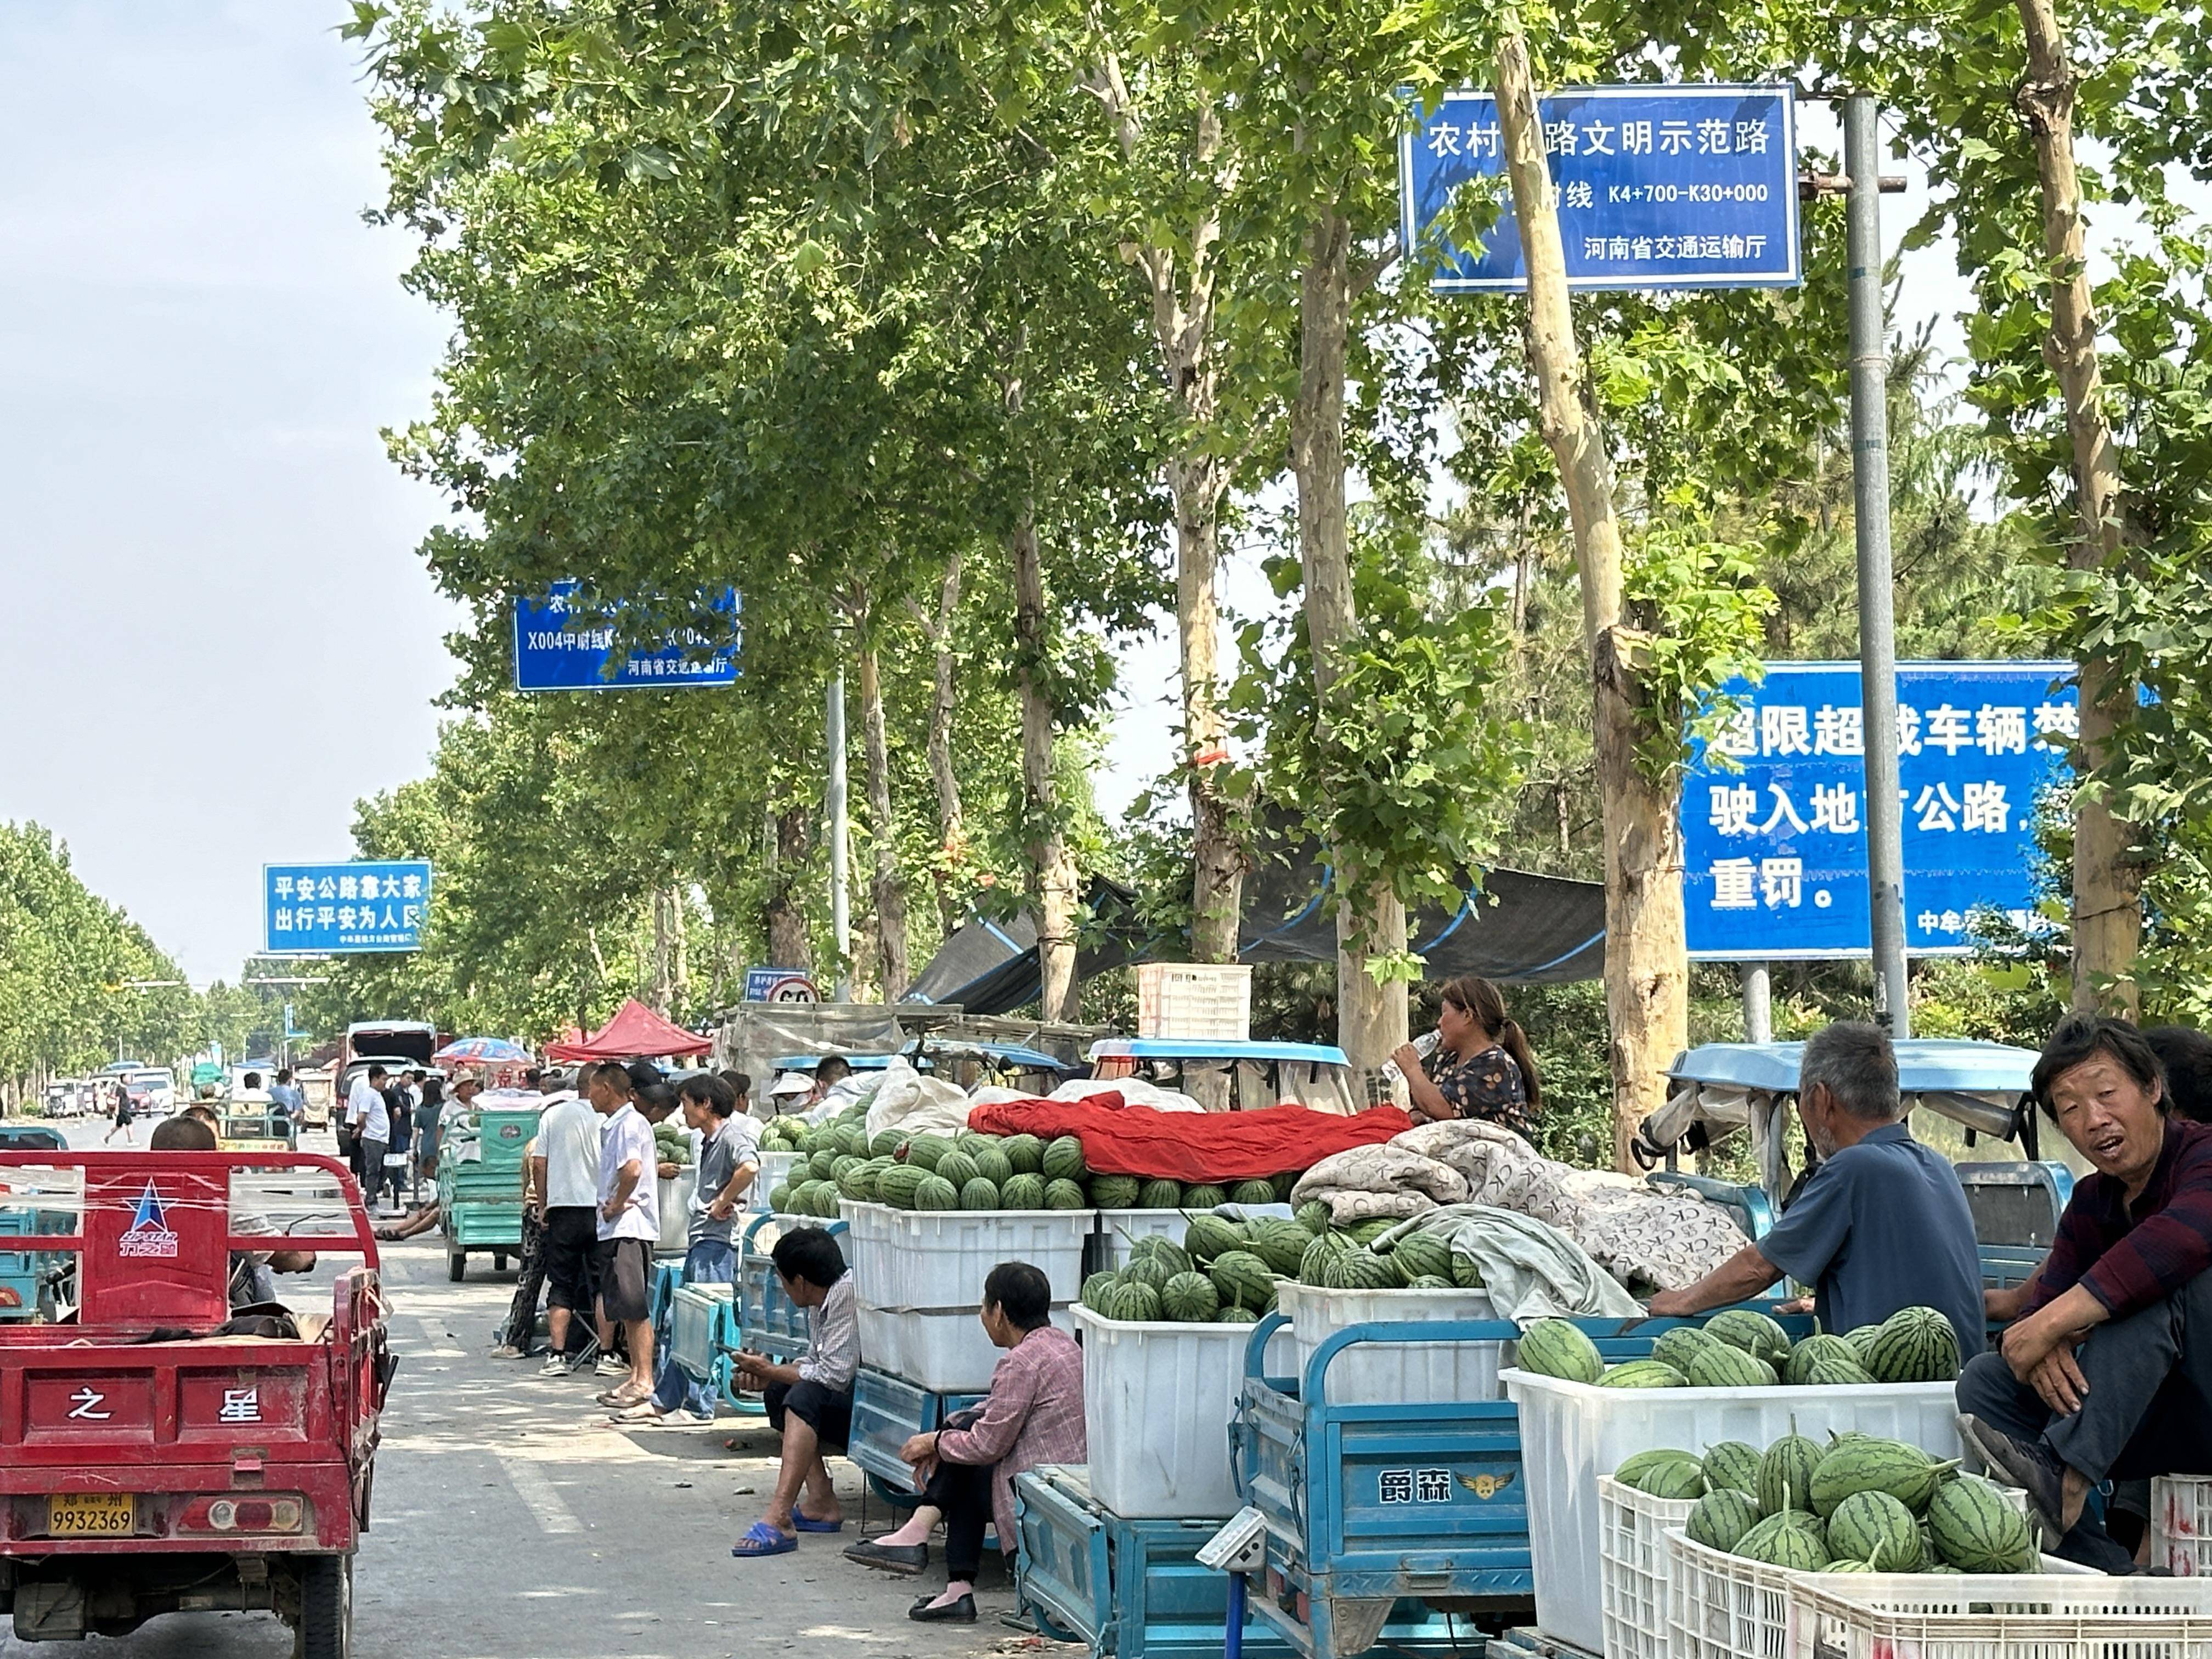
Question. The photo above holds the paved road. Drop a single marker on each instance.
(511, 1522)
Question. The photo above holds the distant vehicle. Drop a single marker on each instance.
(71, 1096)
(317, 1082)
(152, 1089)
(395, 1044)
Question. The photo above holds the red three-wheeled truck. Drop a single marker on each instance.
(168, 1440)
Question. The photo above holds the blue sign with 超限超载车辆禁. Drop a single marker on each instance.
(1658, 186)
(332, 909)
(1775, 849)
(562, 645)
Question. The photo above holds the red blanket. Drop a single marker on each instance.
(1139, 1140)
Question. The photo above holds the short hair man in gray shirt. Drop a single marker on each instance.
(1881, 1224)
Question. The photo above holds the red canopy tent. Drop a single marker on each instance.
(634, 1032)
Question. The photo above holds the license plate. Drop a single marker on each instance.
(91, 1514)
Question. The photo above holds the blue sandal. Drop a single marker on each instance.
(762, 1539)
(808, 1523)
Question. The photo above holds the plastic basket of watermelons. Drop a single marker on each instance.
(1738, 1377)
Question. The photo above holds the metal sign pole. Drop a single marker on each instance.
(841, 920)
(1877, 616)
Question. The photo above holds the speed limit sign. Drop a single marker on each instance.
(779, 985)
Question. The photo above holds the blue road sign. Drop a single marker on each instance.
(1659, 186)
(779, 985)
(557, 648)
(336, 910)
(1775, 854)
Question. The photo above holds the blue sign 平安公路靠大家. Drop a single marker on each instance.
(561, 646)
(1775, 852)
(1658, 188)
(317, 909)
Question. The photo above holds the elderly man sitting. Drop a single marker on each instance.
(1881, 1224)
(2108, 1372)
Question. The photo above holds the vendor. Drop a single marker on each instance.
(1481, 1068)
(1881, 1224)
(809, 1404)
(965, 1471)
(2107, 1374)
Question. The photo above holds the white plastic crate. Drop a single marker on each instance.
(2078, 1615)
(1636, 1575)
(774, 1170)
(946, 1352)
(938, 1259)
(883, 1339)
(1121, 1228)
(1573, 1432)
(1201, 1000)
(1157, 1398)
(2181, 1525)
(1383, 1373)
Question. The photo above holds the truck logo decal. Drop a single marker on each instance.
(148, 1234)
(239, 1406)
(85, 1403)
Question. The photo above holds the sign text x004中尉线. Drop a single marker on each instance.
(1658, 188)
(1774, 848)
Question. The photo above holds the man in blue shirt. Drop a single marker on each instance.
(1881, 1224)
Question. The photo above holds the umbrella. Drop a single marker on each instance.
(481, 1051)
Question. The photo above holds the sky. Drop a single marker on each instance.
(217, 634)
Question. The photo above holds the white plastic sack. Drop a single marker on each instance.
(914, 1104)
(1134, 1092)
(853, 1087)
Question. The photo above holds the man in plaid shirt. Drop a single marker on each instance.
(2106, 1374)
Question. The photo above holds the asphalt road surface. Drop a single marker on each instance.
(510, 1521)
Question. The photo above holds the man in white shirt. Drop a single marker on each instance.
(565, 1175)
(629, 1228)
(370, 1120)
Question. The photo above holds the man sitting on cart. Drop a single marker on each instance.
(2108, 1372)
(1881, 1224)
(810, 1404)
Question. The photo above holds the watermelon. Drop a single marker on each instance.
(1720, 1518)
(956, 1167)
(1233, 1315)
(823, 1164)
(1160, 1195)
(1429, 1282)
(924, 1150)
(1682, 1344)
(1976, 1528)
(1642, 1374)
(1363, 1270)
(1732, 1463)
(779, 1198)
(1243, 1277)
(886, 1144)
(1280, 1245)
(1062, 1159)
(844, 1164)
(1024, 1153)
(936, 1193)
(1553, 1347)
(1114, 1192)
(1872, 1525)
(858, 1183)
(1785, 1474)
(1252, 1192)
(852, 1137)
(977, 1193)
(1832, 1358)
(1190, 1299)
(1149, 1270)
(1313, 1216)
(1790, 1538)
(1093, 1294)
(1022, 1192)
(1678, 1481)
(1466, 1271)
(1137, 1303)
(1163, 1251)
(1632, 1468)
(1208, 1236)
(1862, 1338)
(1721, 1366)
(1421, 1255)
(1314, 1263)
(1905, 1471)
(1366, 1232)
(1062, 1193)
(993, 1165)
(1283, 1185)
(1913, 1344)
(1754, 1333)
(1204, 1196)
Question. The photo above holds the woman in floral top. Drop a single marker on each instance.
(1481, 1067)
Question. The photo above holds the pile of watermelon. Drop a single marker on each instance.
(1359, 1258)
(1740, 1348)
(1859, 1503)
(1206, 1280)
(969, 1171)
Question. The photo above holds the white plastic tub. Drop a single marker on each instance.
(675, 1196)
(774, 1170)
(937, 1260)
(945, 1353)
(1573, 1432)
(883, 1339)
(1157, 1398)
(1121, 1228)
(1386, 1374)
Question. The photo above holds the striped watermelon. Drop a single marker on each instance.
(993, 1163)
(936, 1193)
(1243, 1277)
(1905, 1471)
(1826, 1352)
(1024, 1153)
(1788, 1539)
(1160, 1195)
(1139, 1303)
(1722, 1517)
(1732, 1463)
(1976, 1528)
(1417, 1254)
(1280, 1245)
(1678, 1346)
(1093, 1294)
(1785, 1474)
(1870, 1526)
(1252, 1192)
(1064, 1194)
(1163, 1249)
(1204, 1196)
(1062, 1159)
(1190, 1299)
(1678, 1481)
(1754, 1333)
(1721, 1366)
(956, 1167)
(1209, 1236)
(1114, 1192)
(977, 1193)
(1642, 1374)
(1631, 1470)
(1913, 1344)
(1233, 1315)
(1553, 1347)
(1362, 1270)
(1312, 1215)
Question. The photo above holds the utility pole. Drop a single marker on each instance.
(1877, 611)
(1758, 1003)
(840, 917)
